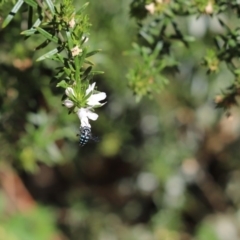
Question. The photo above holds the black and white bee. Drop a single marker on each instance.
(86, 136)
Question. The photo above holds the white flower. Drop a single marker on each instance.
(72, 23)
(150, 7)
(76, 51)
(91, 99)
(84, 114)
(94, 98)
(209, 8)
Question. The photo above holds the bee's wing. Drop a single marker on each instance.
(95, 139)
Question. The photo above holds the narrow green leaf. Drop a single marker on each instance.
(60, 73)
(147, 37)
(89, 62)
(51, 6)
(47, 35)
(37, 23)
(77, 67)
(42, 45)
(189, 38)
(221, 22)
(28, 32)
(93, 52)
(33, 29)
(69, 39)
(12, 13)
(157, 49)
(83, 56)
(48, 54)
(70, 66)
(32, 3)
(58, 57)
(87, 71)
(82, 8)
(97, 72)
(136, 47)
(67, 71)
(62, 84)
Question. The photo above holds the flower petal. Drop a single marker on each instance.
(68, 103)
(91, 102)
(100, 96)
(90, 88)
(85, 122)
(91, 115)
(94, 99)
(82, 114)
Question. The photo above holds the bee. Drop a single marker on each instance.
(86, 136)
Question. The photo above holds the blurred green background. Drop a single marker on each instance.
(166, 168)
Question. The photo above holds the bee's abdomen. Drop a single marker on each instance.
(85, 135)
(83, 140)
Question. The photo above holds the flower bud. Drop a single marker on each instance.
(68, 103)
(69, 92)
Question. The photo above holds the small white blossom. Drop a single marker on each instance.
(72, 23)
(76, 51)
(85, 114)
(209, 8)
(151, 8)
(92, 100)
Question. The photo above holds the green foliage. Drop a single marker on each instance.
(67, 28)
(164, 167)
(206, 231)
(37, 223)
(157, 41)
(13, 12)
(160, 24)
(146, 76)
